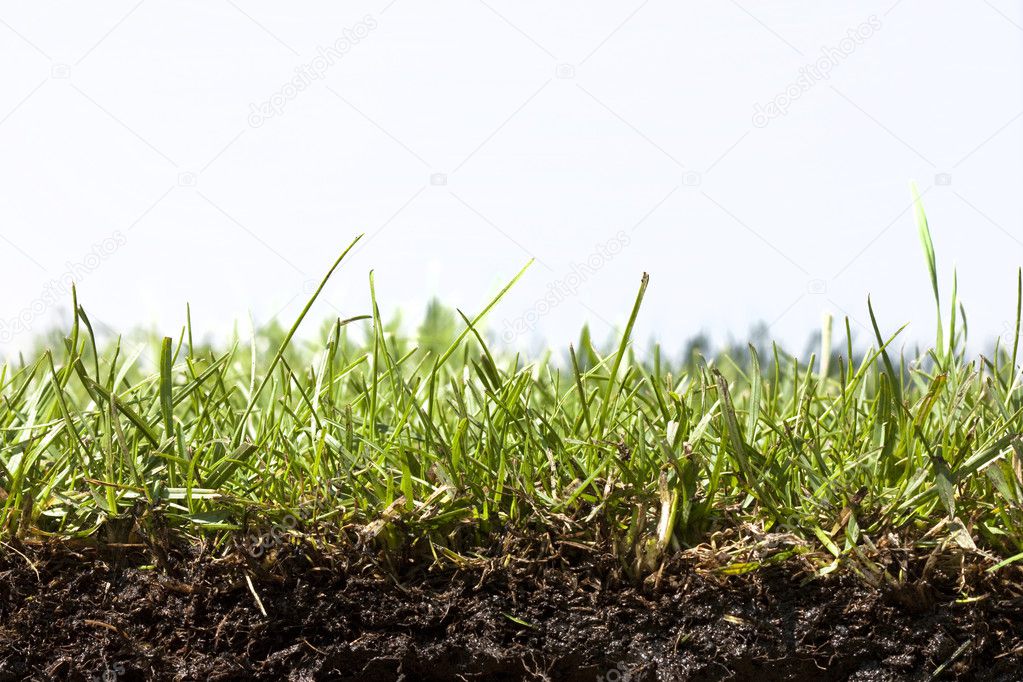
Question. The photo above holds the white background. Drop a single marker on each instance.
(556, 126)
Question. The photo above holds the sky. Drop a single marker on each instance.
(754, 158)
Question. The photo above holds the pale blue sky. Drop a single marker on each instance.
(465, 137)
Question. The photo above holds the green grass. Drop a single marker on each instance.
(440, 444)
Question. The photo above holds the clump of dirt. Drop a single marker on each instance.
(122, 614)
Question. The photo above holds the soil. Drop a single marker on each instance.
(126, 613)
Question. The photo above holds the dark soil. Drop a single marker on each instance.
(124, 614)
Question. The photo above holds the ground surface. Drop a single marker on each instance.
(82, 613)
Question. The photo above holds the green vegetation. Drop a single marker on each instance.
(444, 445)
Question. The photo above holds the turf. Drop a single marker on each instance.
(438, 444)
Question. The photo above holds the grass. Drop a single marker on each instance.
(442, 445)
